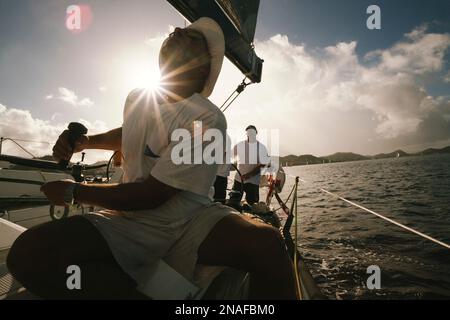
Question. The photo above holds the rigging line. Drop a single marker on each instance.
(287, 200)
(388, 219)
(443, 244)
(289, 196)
(32, 141)
(241, 87)
(228, 99)
(225, 109)
(25, 150)
(238, 90)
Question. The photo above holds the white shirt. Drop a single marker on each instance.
(147, 145)
(249, 156)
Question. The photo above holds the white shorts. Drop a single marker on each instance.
(138, 244)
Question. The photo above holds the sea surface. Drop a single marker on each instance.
(339, 242)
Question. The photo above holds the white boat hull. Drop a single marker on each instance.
(21, 188)
(23, 183)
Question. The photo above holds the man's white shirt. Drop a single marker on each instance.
(250, 155)
(147, 146)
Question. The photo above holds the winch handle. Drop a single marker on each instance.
(76, 130)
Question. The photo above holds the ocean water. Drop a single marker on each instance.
(339, 242)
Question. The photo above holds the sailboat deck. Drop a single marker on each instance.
(12, 289)
(8, 285)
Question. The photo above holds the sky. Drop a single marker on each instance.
(329, 83)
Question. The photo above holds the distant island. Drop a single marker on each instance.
(307, 159)
(290, 160)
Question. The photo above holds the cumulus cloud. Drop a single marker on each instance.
(71, 98)
(322, 99)
(420, 53)
(157, 40)
(447, 77)
(328, 95)
(20, 124)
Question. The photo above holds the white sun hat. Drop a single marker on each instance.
(215, 39)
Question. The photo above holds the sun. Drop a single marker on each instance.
(142, 75)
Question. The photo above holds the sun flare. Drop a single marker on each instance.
(142, 76)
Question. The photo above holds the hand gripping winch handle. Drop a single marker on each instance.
(76, 130)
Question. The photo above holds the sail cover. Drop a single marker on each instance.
(238, 21)
(243, 15)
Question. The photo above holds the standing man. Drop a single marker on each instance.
(251, 156)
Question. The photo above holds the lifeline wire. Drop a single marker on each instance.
(443, 244)
(17, 144)
(388, 219)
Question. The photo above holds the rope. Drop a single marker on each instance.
(287, 200)
(423, 235)
(108, 178)
(445, 245)
(289, 196)
(238, 90)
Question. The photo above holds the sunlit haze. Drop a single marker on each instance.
(329, 84)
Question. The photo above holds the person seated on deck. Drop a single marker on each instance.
(251, 156)
(161, 210)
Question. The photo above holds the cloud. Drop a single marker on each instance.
(68, 96)
(86, 102)
(327, 98)
(157, 40)
(447, 77)
(19, 124)
(71, 98)
(420, 53)
(321, 99)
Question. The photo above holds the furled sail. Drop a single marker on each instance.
(243, 14)
(238, 20)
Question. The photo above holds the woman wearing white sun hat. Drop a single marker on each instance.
(161, 210)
